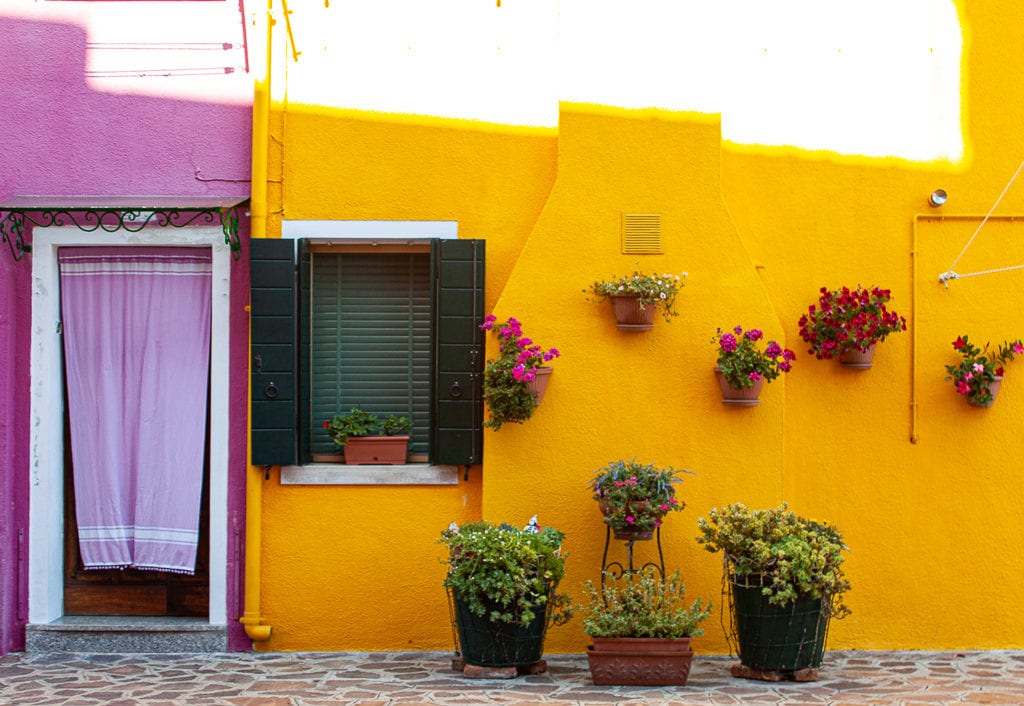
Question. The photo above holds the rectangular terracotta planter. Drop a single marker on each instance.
(383, 450)
(640, 661)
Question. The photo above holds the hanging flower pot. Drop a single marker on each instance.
(980, 372)
(845, 318)
(636, 298)
(630, 315)
(741, 359)
(539, 384)
(986, 401)
(735, 397)
(857, 359)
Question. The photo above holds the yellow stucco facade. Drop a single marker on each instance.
(926, 489)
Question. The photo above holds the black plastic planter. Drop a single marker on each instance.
(778, 638)
(490, 644)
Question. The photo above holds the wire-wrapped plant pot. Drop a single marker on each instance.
(784, 640)
(488, 643)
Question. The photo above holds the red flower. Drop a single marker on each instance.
(959, 343)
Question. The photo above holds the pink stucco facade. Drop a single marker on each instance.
(70, 129)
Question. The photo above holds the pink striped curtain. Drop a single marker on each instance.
(137, 350)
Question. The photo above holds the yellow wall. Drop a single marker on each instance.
(934, 526)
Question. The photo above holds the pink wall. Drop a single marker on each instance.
(61, 137)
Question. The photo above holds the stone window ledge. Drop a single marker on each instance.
(341, 474)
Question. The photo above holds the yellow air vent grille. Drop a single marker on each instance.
(641, 233)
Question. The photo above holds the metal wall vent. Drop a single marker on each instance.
(641, 233)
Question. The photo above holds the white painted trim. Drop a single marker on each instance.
(46, 452)
(370, 230)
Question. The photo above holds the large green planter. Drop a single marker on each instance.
(494, 644)
(778, 638)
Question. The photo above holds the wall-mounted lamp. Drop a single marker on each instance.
(938, 197)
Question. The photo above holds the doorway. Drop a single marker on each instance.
(53, 564)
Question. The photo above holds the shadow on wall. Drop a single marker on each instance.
(61, 136)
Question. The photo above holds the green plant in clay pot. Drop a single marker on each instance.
(641, 627)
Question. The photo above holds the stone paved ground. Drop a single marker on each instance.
(410, 678)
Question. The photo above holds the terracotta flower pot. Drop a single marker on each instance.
(747, 397)
(630, 316)
(640, 661)
(859, 360)
(630, 533)
(539, 384)
(383, 450)
(993, 388)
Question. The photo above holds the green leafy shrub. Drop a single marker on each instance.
(790, 555)
(643, 606)
(507, 574)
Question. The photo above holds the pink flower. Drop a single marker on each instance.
(630, 519)
(529, 376)
(1018, 348)
(962, 387)
(518, 372)
(968, 376)
(978, 368)
(754, 375)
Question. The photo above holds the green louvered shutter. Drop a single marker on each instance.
(272, 327)
(458, 352)
(370, 341)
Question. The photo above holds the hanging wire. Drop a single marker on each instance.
(951, 272)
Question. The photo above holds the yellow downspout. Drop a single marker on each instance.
(252, 618)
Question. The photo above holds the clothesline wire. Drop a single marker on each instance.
(951, 273)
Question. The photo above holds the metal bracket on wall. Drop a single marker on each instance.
(111, 214)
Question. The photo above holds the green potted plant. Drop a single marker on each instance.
(636, 298)
(634, 497)
(744, 366)
(502, 582)
(355, 432)
(641, 628)
(787, 581)
(980, 372)
(847, 323)
(515, 380)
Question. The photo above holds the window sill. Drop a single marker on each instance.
(341, 474)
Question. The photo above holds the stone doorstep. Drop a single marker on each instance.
(125, 635)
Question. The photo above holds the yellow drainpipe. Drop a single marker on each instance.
(251, 618)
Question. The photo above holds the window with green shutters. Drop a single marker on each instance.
(370, 341)
(392, 330)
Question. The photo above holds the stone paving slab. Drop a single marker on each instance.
(418, 678)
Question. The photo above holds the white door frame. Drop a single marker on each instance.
(46, 452)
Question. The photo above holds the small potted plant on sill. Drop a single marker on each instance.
(641, 628)
(786, 581)
(743, 367)
(634, 497)
(515, 380)
(636, 298)
(502, 583)
(847, 323)
(355, 432)
(980, 372)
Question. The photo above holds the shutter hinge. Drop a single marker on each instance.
(60, 328)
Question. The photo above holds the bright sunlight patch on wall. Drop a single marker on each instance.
(875, 77)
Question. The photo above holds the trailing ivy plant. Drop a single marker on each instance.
(791, 556)
(643, 605)
(507, 574)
